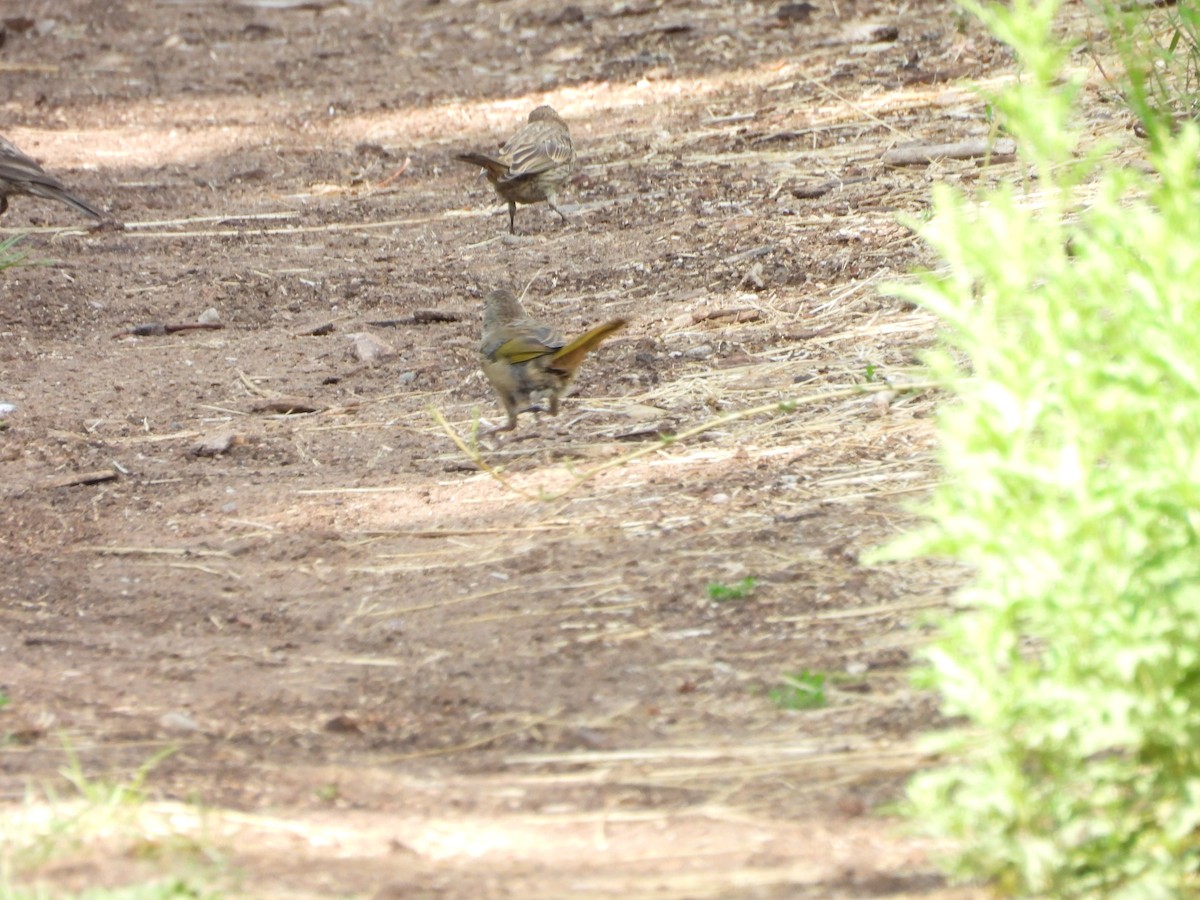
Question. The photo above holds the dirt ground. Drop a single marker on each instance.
(388, 667)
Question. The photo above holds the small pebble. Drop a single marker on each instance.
(683, 321)
(177, 721)
(367, 348)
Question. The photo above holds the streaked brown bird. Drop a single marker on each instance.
(527, 361)
(20, 174)
(532, 164)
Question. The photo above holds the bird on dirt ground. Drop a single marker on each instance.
(527, 360)
(532, 164)
(20, 174)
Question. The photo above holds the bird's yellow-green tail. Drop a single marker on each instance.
(569, 357)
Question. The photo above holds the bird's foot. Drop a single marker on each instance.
(490, 429)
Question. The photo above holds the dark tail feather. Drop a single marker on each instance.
(53, 193)
(494, 166)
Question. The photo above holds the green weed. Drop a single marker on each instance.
(800, 690)
(723, 593)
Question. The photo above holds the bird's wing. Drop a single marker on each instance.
(521, 343)
(538, 147)
(16, 166)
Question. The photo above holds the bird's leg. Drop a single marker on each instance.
(512, 212)
(510, 409)
(498, 429)
(554, 206)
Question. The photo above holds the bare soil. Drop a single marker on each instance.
(392, 668)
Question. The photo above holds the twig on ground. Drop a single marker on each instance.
(1000, 150)
(157, 329)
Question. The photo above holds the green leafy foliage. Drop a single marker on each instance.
(1072, 487)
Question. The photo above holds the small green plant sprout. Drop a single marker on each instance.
(103, 807)
(800, 690)
(723, 593)
(106, 793)
(9, 256)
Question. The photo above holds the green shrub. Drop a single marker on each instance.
(1071, 453)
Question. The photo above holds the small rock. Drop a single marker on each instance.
(216, 444)
(900, 380)
(753, 278)
(343, 724)
(319, 330)
(209, 317)
(795, 12)
(367, 348)
(684, 321)
(370, 148)
(570, 15)
(811, 190)
(871, 33)
(177, 721)
(640, 412)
